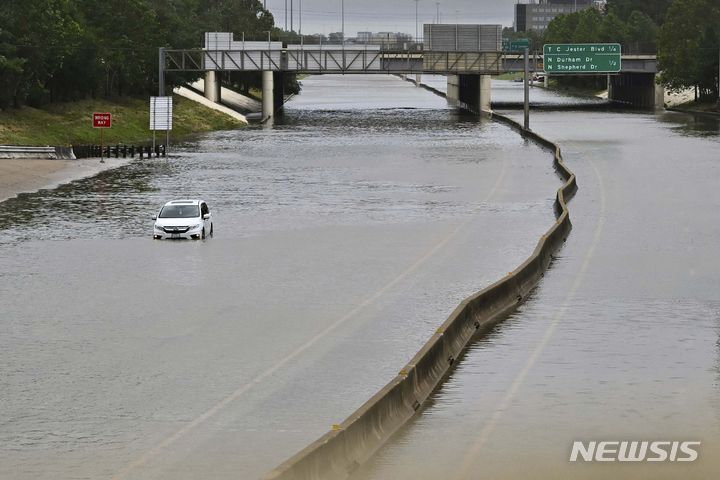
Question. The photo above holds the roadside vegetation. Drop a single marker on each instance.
(62, 59)
(685, 35)
(71, 123)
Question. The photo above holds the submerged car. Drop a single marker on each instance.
(189, 219)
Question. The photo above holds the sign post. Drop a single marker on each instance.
(579, 58)
(161, 118)
(527, 89)
(102, 121)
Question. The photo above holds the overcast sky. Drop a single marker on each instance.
(323, 16)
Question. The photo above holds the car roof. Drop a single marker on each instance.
(184, 202)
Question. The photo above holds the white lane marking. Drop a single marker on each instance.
(471, 455)
(157, 450)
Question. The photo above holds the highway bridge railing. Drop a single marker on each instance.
(317, 59)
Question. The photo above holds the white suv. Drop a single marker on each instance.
(183, 219)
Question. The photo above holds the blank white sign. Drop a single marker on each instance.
(161, 113)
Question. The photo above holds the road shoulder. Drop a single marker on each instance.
(30, 175)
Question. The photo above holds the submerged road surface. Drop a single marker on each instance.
(619, 342)
(345, 235)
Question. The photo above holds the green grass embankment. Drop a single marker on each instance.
(71, 123)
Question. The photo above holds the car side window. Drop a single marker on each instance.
(204, 209)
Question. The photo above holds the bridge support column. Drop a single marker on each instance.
(474, 92)
(638, 90)
(485, 93)
(268, 94)
(418, 79)
(453, 89)
(659, 95)
(278, 92)
(212, 86)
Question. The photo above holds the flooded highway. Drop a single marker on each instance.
(505, 92)
(344, 235)
(620, 342)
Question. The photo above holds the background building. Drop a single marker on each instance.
(390, 39)
(537, 15)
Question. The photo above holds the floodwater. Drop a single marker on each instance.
(621, 340)
(344, 235)
(510, 94)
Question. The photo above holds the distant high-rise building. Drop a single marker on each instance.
(537, 16)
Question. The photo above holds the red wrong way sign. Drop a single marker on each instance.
(102, 120)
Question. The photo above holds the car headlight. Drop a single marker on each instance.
(193, 227)
(158, 227)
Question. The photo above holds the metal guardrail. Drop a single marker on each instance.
(17, 151)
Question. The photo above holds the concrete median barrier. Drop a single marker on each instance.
(347, 445)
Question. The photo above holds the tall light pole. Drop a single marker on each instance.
(286, 15)
(417, 2)
(300, 27)
(342, 9)
(437, 14)
(292, 24)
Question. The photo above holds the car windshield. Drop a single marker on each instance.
(179, 211)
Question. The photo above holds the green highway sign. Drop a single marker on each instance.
(582, 58)
(518, 45)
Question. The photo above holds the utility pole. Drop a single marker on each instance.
(437, 14)
(286, 15)
(417, 2)
(343, 21)
(292, 24)
(300, 27)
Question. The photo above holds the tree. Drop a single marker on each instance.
(54, 50)
(654, 9)
(688, 46)
(11, 70)
(642, 33)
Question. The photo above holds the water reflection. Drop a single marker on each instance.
(691, 124)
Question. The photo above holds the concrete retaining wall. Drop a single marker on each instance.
(337, 453)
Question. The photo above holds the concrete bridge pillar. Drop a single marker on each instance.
(212, 86)
(278, 92)
(453, 89)
(485, 93)
(638, 90)
(659, 95)
(418, 79)
(268, 94)
(473, 92)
